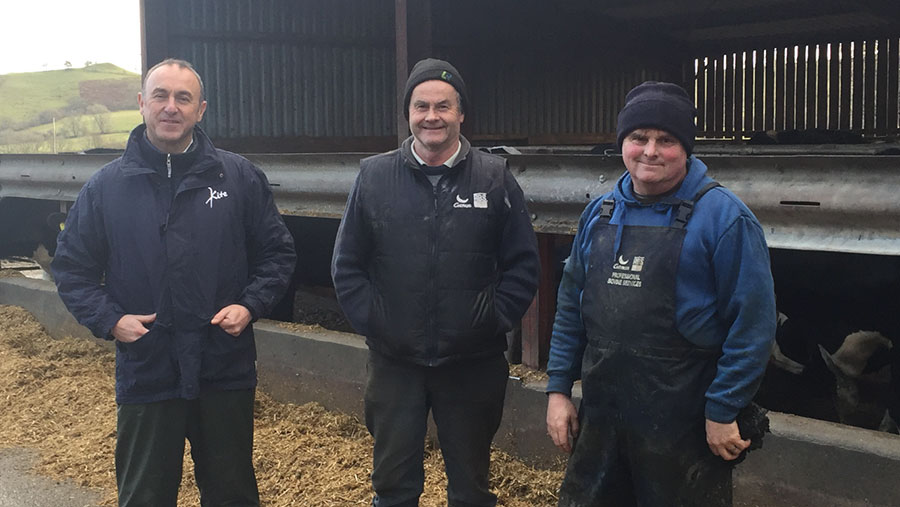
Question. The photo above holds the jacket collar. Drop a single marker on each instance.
(134, 160)
(693, 181)
(410, 160)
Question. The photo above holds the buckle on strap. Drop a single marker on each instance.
(685, 209)
(606, 208)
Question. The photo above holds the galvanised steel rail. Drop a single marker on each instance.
(842, 203)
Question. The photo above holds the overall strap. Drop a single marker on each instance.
(606, 210)
(686, 208)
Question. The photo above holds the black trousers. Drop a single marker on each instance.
(150, 447)
(466, 401)
(613, 467)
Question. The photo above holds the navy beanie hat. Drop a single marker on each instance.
(664, 106)
(429, 69)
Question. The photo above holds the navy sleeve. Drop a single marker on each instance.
(746, 303)
(349, 264)
(568, 340)
(519, 262)
(80, 263)
(270, 249)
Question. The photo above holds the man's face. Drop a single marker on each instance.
(435, 116)
(655, 159)
(171, 105)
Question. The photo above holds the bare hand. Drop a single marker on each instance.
(562, 421)
(233, 319)
(724, 439)
(130, 328)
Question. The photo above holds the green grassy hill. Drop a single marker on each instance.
(74, 97)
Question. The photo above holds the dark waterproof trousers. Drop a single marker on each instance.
(642, 440)
(150, 448)
(466, 402)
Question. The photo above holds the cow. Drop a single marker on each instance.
(28, 229)
(836, 353)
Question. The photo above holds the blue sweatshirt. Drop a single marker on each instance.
(724, 294)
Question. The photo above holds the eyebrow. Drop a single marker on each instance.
(179, 93)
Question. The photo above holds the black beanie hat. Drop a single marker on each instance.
(432, 68)
(665, 106)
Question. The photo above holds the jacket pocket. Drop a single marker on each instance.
(228, 358)
(146, 366)
(484, 310)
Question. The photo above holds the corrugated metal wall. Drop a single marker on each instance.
(850, 85)
(325, 68)
(519, 99)
(282, 68)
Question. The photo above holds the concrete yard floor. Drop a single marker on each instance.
(21, 487)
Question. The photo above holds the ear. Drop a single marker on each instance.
(140, 102)
(202, 110)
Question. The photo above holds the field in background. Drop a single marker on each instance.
(92, 107)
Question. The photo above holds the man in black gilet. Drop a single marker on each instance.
(435, 260)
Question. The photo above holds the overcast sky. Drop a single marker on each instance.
(40, 35)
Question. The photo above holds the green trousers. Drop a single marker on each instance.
(150, 446)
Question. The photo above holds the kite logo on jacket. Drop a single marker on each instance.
(215, 195)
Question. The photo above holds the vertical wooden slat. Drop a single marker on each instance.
(778, 88)
(822, 87)
(893, 124)
(881, 59)
(859, 85)
(702, 125)
(776, 95)
(790, 88)
(747, 113)
(802, 77)
(718, 84)
(834, 86)
(728, 95)
(758, 80)
(869, 98)
(846, 84)
(770, 90)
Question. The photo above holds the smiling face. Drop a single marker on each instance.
(434, 120)
(655, 159)
(171, 103)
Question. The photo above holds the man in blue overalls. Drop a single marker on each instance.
(666, 313)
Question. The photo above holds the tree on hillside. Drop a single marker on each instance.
(88, 63)
(74, 126)
(77, 105)
(67, 65)
(100, 114)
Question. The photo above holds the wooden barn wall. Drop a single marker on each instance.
(282, 68)
(847, 85)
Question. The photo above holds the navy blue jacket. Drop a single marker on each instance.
(132, 246)
(432, 274)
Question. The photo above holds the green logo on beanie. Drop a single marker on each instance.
(446, 76)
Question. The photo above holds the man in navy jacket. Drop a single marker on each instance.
(172, 250)
(435, 259)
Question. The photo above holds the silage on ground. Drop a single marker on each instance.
(58, 397)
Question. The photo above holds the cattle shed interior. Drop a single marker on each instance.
(323, 75)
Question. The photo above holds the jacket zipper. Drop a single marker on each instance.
(432, 275)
